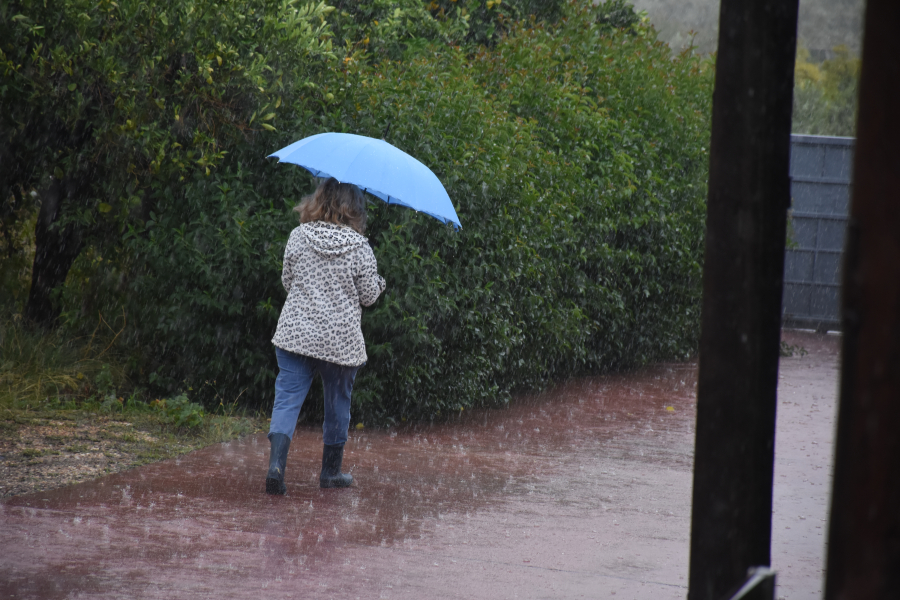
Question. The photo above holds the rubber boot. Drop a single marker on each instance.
(331, 477)
(277, 462)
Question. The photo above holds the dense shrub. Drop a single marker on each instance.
(573, 151)
(393, 29)
(203, 285)
(576, 156)
(825, 94)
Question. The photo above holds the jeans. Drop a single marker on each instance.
(295, 375)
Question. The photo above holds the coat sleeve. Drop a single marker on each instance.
(369, 284)
(287, 268)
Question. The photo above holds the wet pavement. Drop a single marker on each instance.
(580, 492)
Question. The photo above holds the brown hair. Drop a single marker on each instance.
(335, 202)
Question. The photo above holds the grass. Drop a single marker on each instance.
(36, 365)
(63, 420)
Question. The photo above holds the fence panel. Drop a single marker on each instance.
(820, 191)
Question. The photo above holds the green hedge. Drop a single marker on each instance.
(576, 157)
(573, 151)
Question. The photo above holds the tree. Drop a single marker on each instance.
(825, 94)
(103, 101)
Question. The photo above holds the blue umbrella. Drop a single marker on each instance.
(376, 167)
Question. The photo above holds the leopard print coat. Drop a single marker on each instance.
(329, 273)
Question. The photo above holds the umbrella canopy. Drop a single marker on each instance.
(376, 167)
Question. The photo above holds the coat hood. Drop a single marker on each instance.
(329, 239)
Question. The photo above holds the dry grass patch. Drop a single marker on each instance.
(43, 450)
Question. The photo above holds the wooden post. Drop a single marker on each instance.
(749, 195)
(864, 533)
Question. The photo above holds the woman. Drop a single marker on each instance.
(329, 273)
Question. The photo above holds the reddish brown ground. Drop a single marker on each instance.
(582, 492)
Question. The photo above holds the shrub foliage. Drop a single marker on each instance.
(825, 94)
(572, 146)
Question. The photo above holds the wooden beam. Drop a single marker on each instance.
(864, 532)
(749, 195)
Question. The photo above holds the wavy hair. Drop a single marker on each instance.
(335, 202)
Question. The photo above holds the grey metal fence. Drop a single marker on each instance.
(820, 189)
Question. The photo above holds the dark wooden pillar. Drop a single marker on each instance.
(864, 534)
(749, 194)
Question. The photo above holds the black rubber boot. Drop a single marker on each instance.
(277, 462)
(331, 477)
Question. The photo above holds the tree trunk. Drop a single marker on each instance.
(55, 251)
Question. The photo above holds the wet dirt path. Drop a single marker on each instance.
(804, 455)
(582, 492)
